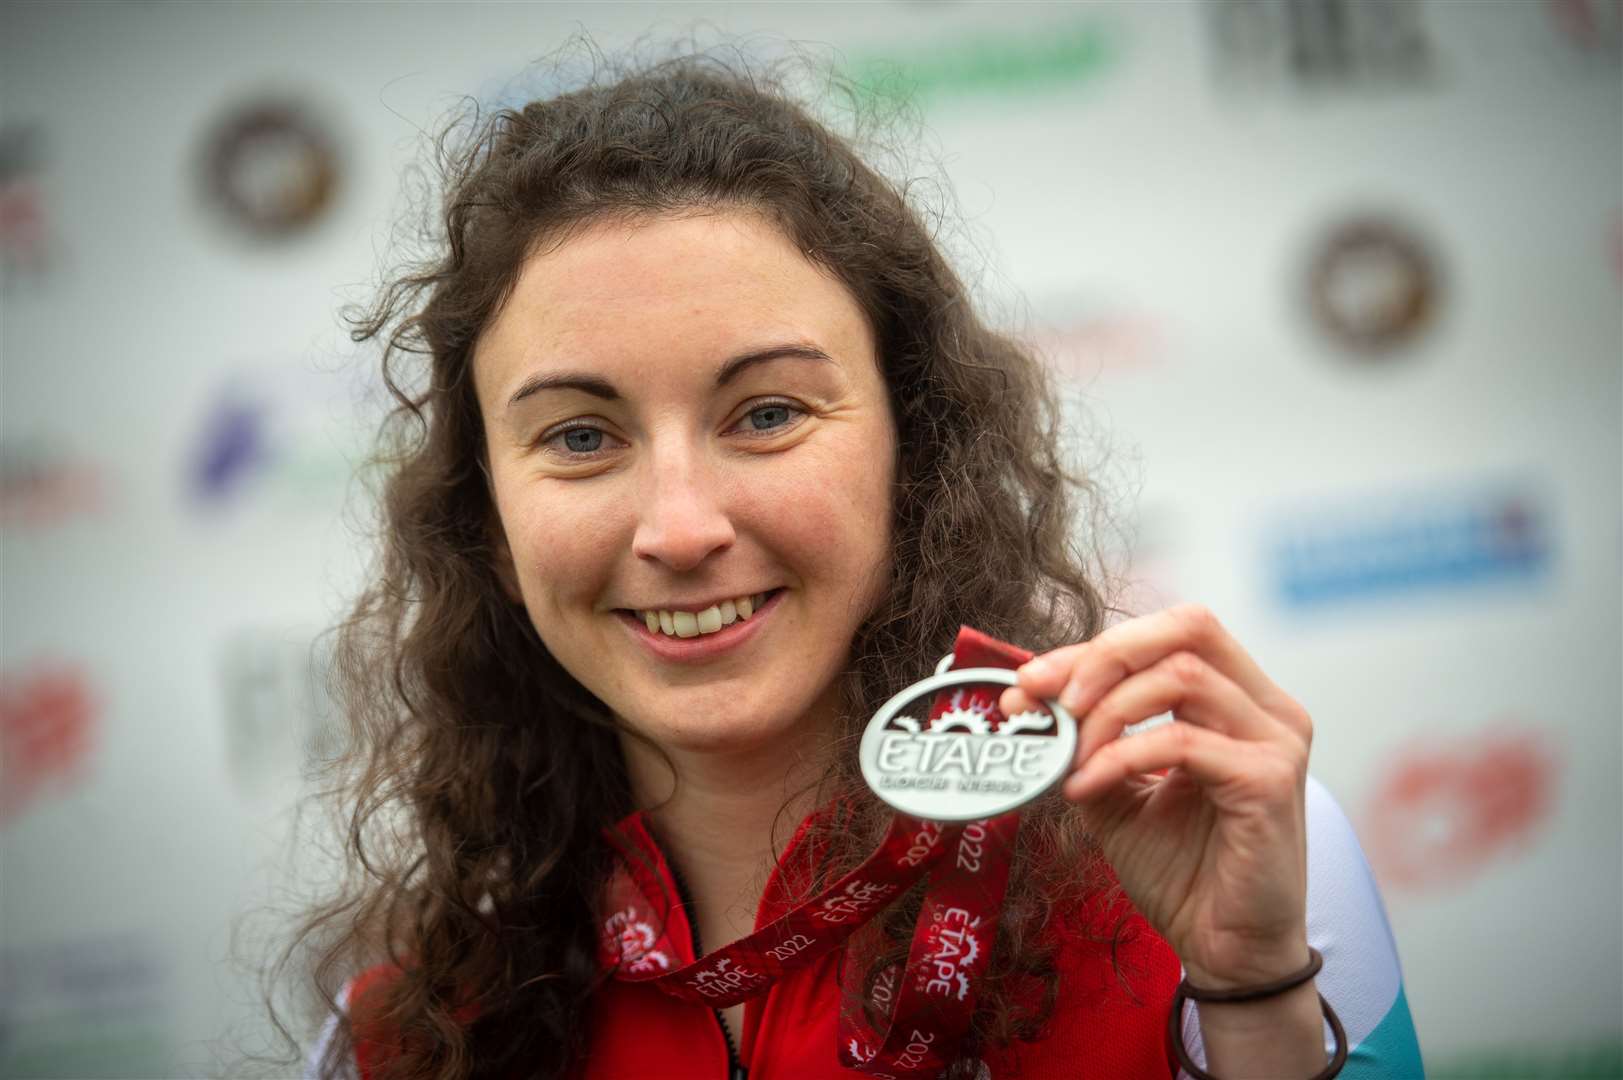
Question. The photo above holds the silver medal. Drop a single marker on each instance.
(958, 767)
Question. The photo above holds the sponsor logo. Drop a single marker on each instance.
(47, 731)
(858, 1055)
(1320, 44)
(272, 168)
(1085, 348)
(953, 949)
(725, 979)
(1381, 548)
(991, 64)
(633, 939)
(97, 1005)
(25, 241)
(40, 486)
(282, 439)
(280, 719)
(1445, 812)
(858, 898)
(233, 448)
(1373, 285)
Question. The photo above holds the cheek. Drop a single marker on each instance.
(563, 549)
(835, 513)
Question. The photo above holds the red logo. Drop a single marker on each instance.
(25, 233)
(46, 718)
(1446, 812)
(1085, 348)
(1592, 26)
(39, 486)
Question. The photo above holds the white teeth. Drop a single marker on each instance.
(687, 624)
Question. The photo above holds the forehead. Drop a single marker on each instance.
(670, 291)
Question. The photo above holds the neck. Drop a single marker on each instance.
(723, 818)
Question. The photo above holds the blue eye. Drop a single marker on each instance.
(767, 417)
(583, 440)
(579, 442)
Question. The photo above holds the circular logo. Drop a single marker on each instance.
(273, 166)
(941, 750)
(1374, 285)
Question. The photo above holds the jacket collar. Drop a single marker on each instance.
(644, 917)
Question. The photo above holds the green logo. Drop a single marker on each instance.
(991, 65)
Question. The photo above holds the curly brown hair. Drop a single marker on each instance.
(481, 773)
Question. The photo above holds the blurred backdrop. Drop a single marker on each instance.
(1335, 288)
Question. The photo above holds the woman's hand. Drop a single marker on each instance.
(1213, 850)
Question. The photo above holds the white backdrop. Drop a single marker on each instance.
(1141, 193)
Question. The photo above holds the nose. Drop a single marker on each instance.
(683, 518)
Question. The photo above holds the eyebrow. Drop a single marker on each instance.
(565, 380)
(601, 388)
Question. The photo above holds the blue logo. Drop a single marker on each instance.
(277, 437)
(233, 448)
(1445, 541)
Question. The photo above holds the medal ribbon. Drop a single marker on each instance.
(925, 1008)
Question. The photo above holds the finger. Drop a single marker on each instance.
(1045, 676)
(1189, 688)
(1207, 757)
(1136, 644)
(1016, 700)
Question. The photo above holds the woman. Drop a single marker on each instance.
(710, 457)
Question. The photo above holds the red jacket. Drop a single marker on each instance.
(1109, 1021)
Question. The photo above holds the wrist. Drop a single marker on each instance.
(1268, 1028)
(1289, 1010)
(1250, 967)
(1282, 1036)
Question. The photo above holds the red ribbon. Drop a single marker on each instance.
(926, 1007)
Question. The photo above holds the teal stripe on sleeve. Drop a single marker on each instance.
(1391, 1051)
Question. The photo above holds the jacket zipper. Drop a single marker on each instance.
(735, 1066)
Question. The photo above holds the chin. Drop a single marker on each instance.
(718, 734)
(720, 727)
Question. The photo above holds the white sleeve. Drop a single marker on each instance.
(312, 1063)
(1361, 979)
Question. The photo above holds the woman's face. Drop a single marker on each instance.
(685, 419)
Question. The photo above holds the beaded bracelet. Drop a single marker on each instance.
(1240, 995)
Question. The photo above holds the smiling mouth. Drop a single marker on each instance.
(691, 624)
